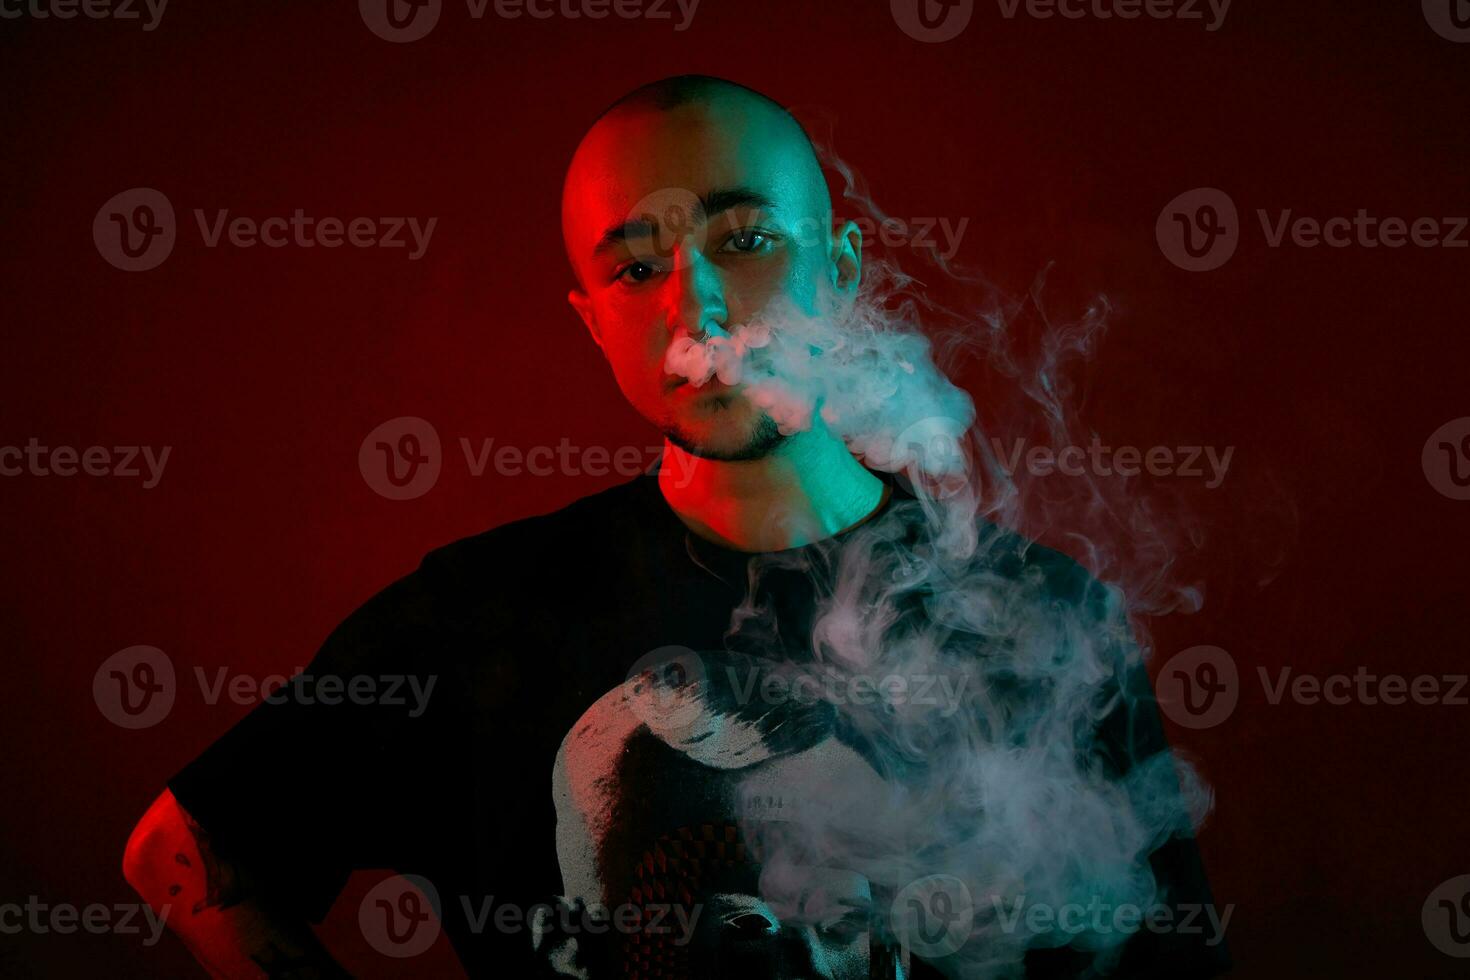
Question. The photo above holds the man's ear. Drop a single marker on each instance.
(847, 258)
(583, 306)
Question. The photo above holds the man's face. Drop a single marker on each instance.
(689, 222)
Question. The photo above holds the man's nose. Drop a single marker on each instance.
(696, 296)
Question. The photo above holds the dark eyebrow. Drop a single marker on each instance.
(735, 197)
(715, 202)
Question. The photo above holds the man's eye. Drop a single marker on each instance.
(748, 240)
(637, 272)
(749, 925)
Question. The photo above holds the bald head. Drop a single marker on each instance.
(687, 121)
(670, 93)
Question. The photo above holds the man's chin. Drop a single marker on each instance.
(727, 441)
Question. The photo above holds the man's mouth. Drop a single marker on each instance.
(713, 385)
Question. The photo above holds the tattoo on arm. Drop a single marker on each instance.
(223, 886)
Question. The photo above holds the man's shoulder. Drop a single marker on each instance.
(493, 573)
(1055, 575)
(594, 523)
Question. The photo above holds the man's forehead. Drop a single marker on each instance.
(697, 150)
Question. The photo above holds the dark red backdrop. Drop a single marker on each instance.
(1327, 369)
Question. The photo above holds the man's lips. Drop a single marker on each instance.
(712, 385)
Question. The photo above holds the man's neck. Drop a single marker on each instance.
(810, 488)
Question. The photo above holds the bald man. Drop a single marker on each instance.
(752, 228)
(690, 206)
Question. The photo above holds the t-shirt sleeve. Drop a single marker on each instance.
(334, 770)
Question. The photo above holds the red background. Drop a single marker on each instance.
(1327, 369)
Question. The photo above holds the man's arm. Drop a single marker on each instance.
(254, 839)
(209, 902)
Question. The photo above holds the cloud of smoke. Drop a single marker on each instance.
(1033, 789)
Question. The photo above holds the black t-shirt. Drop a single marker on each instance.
(521, 628)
